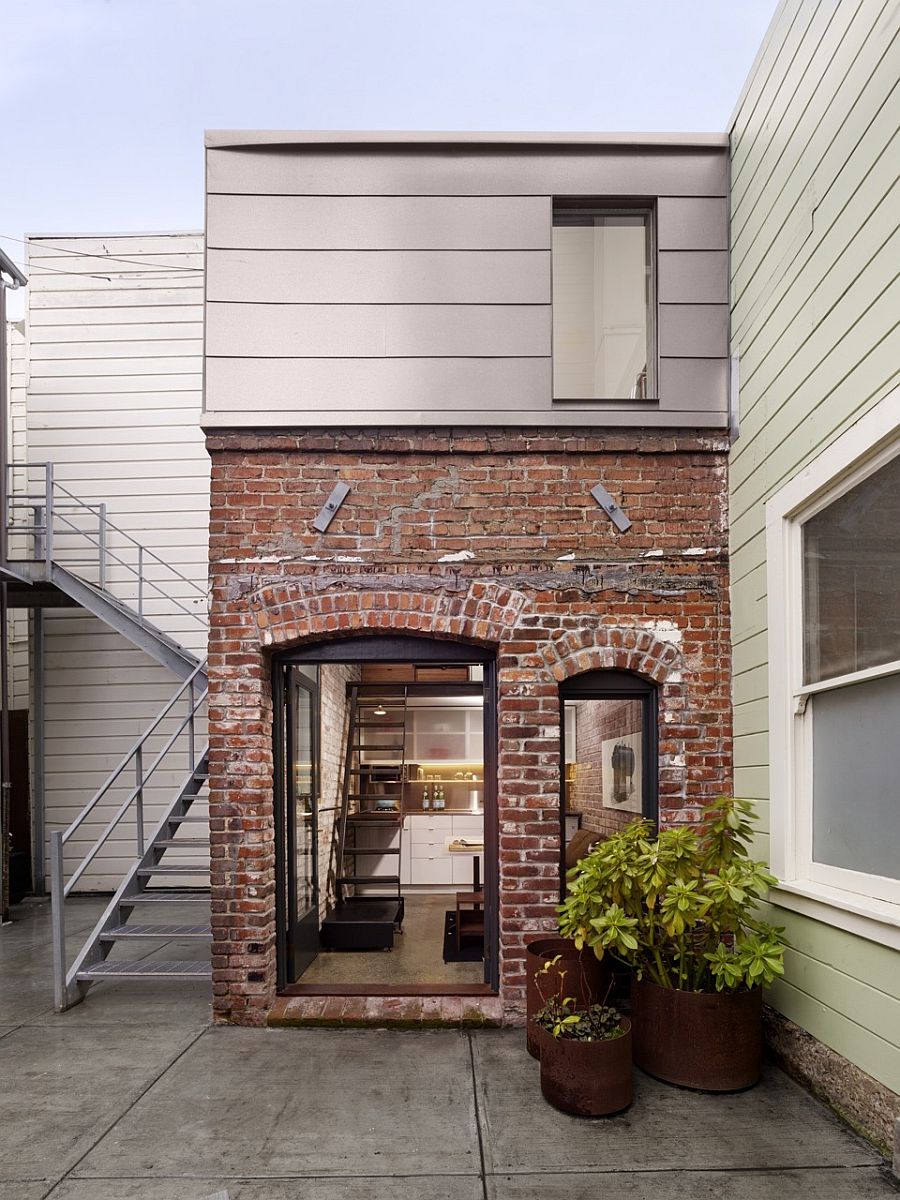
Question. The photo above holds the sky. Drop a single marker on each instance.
(106, 101)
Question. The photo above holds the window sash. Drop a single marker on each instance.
(871, 442)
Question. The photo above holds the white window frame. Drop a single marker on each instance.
(853, 900)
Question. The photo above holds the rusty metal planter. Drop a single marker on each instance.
(597, 976)
(589, 1079)
(711, 1041)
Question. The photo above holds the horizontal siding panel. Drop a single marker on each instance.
(872, 1052)
(126, 355)
(104, 368)
(106, 402)
(377, 331)
(477, 172)
(808, 111)
(117, 300)
(372, 385)
(379, 222)
(117, 384)
(779, 46)
(55, 322)
(691, 223)
(53, 339)
(693, 277)
(102, 288)
(693, 330)
(842, 214)
(688, 384)
(770, 242)
(382, 277)
(857, 279)
(123, 245)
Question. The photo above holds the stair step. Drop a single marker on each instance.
(161, 897)
(359, 850)
(389, 820)
(393, 880)
(171, 869)
(175, 969)
(201, 932)
(189, 818)
(185, 843)
(374, 796)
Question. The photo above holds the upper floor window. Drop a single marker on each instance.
(602, 287)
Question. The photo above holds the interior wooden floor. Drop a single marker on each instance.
(417, 957)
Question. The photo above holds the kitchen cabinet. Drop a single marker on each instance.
(425, 859)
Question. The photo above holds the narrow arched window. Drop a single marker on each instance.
(609, 740)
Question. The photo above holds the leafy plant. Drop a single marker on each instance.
(560, 1016)
(599, 1023)
(679, 907)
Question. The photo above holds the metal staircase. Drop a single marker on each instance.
(65, 552)
(368, 906)
(140, 887)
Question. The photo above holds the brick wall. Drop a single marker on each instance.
(491, 538)
(596, 722)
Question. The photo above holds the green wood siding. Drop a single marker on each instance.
(815, 302)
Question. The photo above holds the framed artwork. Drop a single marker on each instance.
(622, 773)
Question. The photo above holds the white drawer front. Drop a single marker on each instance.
(431, 870)
(427, 849)
(468, 825)
(435, 832)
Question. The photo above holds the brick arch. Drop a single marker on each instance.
(612, 647)
(291, 613)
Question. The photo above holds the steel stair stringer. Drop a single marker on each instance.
(89, 963)
(118, 616)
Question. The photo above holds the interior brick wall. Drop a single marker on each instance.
(598, 721)
(489, 537)
(334, 711)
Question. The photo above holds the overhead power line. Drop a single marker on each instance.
(103, 257)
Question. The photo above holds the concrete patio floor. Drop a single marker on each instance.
(133, 1095)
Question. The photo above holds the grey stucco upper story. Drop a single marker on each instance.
(406, 278)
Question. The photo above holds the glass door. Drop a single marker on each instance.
(301, 812)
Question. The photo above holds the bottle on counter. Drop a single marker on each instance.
(426, 803)
(439, 797)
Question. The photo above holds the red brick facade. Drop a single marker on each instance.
(532, 568)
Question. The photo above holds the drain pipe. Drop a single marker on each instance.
(10, 277)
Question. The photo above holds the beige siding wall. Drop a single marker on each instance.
(412, 284)
(815, 302)
(18, 451)
(115, 364)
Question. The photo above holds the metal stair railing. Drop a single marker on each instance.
(62, 526)
(60, 888)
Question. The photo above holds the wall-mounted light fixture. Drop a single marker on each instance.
(332, 504)
(611, 508)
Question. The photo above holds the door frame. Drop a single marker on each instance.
(400, 648)
(285, 817)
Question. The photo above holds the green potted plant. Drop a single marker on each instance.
(680, 908)
(585, 1051)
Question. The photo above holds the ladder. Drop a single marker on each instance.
(371, 800)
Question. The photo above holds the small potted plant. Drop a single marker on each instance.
(680, 908)
(585, 1052)
(549, 959)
